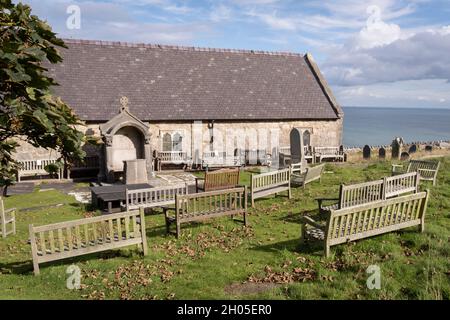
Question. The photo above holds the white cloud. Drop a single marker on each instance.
(411, 93)
(275, 22)
(220, 13)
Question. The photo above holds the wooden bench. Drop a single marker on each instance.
(268, 183)
(206, 205)
(220, 160)
(153, 197)
(85, 236)
(7, 217)
(171, 157)
(31, 168)
(310, 174)
(89, 163)
(334, 153)
(428, 170)
(367, 220)
(217, 180)
(356, 194)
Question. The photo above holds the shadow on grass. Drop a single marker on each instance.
(293, 245)
(294, 217)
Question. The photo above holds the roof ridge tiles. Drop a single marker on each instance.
(180, 48)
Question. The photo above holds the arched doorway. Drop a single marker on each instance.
(126, 138)
(127, 144)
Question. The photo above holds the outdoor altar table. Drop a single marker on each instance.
(116, 193)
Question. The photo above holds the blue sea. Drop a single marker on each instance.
(379, 126)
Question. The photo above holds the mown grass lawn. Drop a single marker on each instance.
(221, 259)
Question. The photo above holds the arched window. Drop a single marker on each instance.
(306, 138)
(177, 142)
(167, 142)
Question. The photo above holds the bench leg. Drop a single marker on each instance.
(326, 250)
(302, 234)
(36, 268)
(178, 230)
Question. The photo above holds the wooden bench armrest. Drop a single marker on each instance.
(320, 200)
(308, 220)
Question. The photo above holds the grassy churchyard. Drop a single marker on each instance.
(221, 259)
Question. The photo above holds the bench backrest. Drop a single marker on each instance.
(401, 184)
(414, 165)
(270, 179)
(84, 236)
(35, 166)
(388, 187)
(355, 194)
(328, 150)
(221, 179)
(89, 162)
(153, 197)
(427, 169)
(203, 205)
(374, 218)
(171, 156)
(313, 173)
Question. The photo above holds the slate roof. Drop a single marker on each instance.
(168, 83)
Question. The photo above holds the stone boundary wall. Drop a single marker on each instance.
(442, 144)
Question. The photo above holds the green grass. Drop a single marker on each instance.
(212, 259)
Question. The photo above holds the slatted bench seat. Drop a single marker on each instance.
(269, 183)
(33, 168)
(85, 236)
(356, 194)
(367, 220)
(206, 205)
(153, 197)
(217, 180)
(7, 217)
(310, 174)
(428, 170)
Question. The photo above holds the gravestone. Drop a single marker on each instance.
(366, 152)
(412, 149)
(396, 145)
(135, 171)
(382, 153)
(429, 148)
(297, 147)
(404, 156)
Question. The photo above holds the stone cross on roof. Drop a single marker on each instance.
(124, 103)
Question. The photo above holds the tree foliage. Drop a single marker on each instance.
(28, 110)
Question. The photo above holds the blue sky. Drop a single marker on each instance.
(390, 53)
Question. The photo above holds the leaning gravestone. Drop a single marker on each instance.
(412, 149)
(366, 152)
(382, 153)
(404, 156)
(396, 145)
(297, 150)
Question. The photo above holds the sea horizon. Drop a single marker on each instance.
(380, 125)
